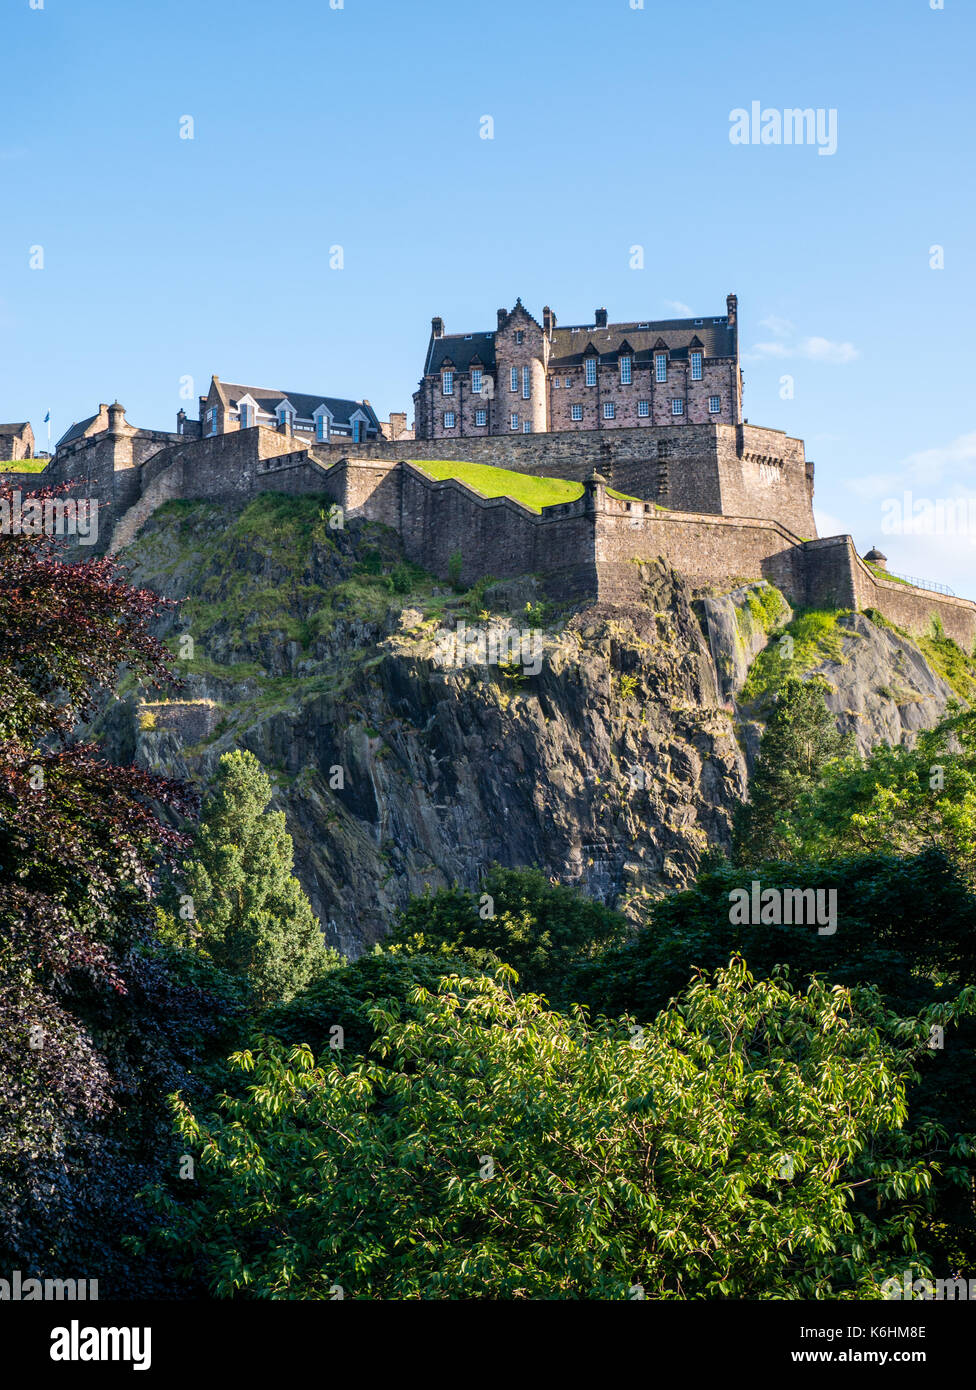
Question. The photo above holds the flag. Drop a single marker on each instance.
(47, 417)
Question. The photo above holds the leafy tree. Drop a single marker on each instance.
(545, 931)
(904, 925)
(903, 799)
(800, 738)
(96, 1026)
(738, 1148)
(251, 916)
(345, 997)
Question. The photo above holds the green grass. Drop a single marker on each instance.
(881, 573)
(816, 638)
(531, 491)
(24, 465)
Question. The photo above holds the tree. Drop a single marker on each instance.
(96, 1024)
(737, 1148)
(800, 738)
(251, 916)
(545, 931)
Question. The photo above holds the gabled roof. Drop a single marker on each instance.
(461, 349)
(305, 405)
(76, 431)
(15, 429)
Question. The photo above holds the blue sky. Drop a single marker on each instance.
(360, 127)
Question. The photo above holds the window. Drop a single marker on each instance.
(526, 383)
(322, 427)
(696, 366)
(714, 405)
(526, 426)
(514, 419)
(212, 418)
(448, 419)
(357, 432)
(555, 383)
(643, 408)
(591, 371)
(481, 417)
(514, 379)
(660, 366)
(476, 381)
(577, 412)
(447, 384)
(625, 371)
(609, 410)
(566, 383)
(698, 323)
(677, 407)
(246, 420)
(519, 335)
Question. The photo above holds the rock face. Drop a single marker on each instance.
(415, 736)
(882, 689)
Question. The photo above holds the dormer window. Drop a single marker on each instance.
(660, 366)
(591, 371)
(285, 414)
(626, 374)
(696, 366)
(212, 420)
(447, 383)
(247, 416)
(322, 427)
(476, 380)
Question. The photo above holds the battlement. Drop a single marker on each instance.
(721, 503)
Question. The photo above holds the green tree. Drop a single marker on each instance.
(800, 739)
(251, 916)
(748, 1144)
(545, 931)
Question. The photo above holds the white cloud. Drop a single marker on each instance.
(828, 524)
(684, 311)
(950, 463)
(814, 349)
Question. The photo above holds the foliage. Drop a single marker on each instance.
(95, 1024)
(903, 799)
(815, 636)
(734, 1149)
(800, 738)
(545, 931)
(251, 916)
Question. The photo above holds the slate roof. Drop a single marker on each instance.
(569, 343)
(14, 429)
(305, 405)
(76, 431)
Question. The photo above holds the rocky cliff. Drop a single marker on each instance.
(415, 734)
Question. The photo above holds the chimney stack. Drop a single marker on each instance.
(601, 318)
(437, 327)
(732, 305)
(548, 321)
(502, 316)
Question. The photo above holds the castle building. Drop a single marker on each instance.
(318, 419)
(530, 378)
(16, 442)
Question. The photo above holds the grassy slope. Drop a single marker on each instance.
(24, 465)
(531, 491)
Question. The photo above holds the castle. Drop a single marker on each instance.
(526, 377)
(722, 500)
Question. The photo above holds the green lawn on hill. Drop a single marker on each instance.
(531, 491)
(24, 465)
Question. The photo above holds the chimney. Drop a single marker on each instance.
(601, 318)
(437, 327)
(732, 304)
(201, 405)
(181, 421)
(502, 316)
(548, 321)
